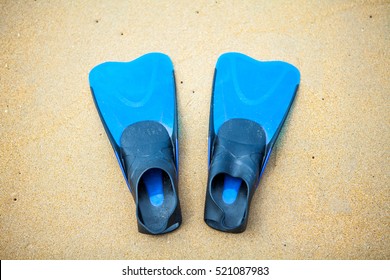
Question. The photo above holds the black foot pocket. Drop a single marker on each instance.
(149, 161)
(237, 154)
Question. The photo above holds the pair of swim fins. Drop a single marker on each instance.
(136, 102)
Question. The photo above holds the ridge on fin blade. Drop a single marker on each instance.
(136, 102)
(250, 102)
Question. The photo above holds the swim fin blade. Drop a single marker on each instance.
(250, 102)
(136, 102)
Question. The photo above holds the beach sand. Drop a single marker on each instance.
(325, 191)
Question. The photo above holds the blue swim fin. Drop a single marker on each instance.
(136, 102)
(250, 102)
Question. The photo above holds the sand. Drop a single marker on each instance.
(324, 194)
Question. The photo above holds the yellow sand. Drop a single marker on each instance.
(324, 194)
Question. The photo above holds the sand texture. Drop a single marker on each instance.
(325, 191)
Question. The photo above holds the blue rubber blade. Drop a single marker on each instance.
(129, 92)
(231, 186)
(250, 89)
(153, 181)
